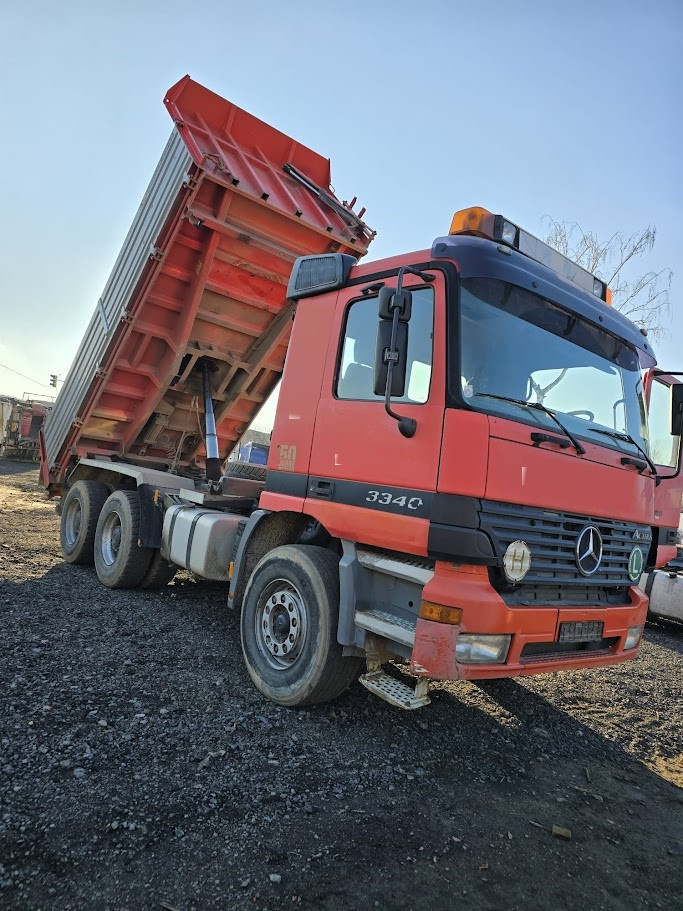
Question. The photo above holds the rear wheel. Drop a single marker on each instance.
(80, 512)
(119, 562)
(159, 573)
(289, 627)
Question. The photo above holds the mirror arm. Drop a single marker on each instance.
(670, 477)
(407, 426)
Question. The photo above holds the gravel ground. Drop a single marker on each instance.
(139, 769)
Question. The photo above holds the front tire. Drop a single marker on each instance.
(119, 562)
(289, 624)
(80, 512)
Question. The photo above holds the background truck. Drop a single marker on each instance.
(256, 453)
(663, 584)
(458, 475)
(22, 423)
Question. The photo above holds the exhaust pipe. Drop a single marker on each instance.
(213, 462)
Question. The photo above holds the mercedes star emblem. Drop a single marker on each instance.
(588, 550)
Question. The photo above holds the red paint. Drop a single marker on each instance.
(218, 285)
(464, 454)
(359, 441)
(595, 484)
(434, 651)
(484, 611)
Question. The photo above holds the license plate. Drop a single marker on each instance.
(581, 631)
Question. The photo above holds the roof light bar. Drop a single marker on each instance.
(483, 223)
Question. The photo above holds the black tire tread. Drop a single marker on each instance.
(246, 470)
(159, 573)
(338, 672)
(94, 495)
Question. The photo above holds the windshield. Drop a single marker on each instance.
(517, 345)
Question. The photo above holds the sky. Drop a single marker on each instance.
(530, 109)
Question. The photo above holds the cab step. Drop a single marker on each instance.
(388, 626)
(395, 692)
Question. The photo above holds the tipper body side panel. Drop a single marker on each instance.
(202, 277)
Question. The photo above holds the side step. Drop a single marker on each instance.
(395, 692)
(389, 626)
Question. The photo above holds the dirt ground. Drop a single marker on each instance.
(139, 769)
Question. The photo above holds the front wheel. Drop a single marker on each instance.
(289, 627)
(119, 562)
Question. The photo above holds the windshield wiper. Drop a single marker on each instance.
(538, 407)
(627, 438)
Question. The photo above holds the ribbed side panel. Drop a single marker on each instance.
(155, 208)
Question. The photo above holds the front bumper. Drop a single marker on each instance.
(534, 648)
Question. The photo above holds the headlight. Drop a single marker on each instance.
(481, 649)
(633, 637)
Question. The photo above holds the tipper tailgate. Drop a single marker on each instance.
(201, 277)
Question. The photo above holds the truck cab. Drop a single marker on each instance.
(524, 492)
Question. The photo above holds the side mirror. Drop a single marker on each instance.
(384, 355)
(391, 299)
(391, 353)
(676, 409)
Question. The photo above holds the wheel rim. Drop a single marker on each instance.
(72, 522)
(111, 538)
(281, 624)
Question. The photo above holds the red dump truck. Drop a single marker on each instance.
(458, 477)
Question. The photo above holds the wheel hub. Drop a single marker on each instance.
(111, 539)
(281, 624)
(72, 525)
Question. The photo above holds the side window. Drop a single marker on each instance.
(355, 372)
(663, 446)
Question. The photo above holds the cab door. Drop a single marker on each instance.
(368, 482)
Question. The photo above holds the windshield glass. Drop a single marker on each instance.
(517, 345)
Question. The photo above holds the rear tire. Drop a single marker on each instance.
(289, 624)
(119, 562)
(159, 574)
(80, 512)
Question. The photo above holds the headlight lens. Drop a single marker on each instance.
(633, 637)
(481, 649)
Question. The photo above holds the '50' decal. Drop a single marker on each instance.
(384, 498)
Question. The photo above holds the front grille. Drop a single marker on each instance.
(550, 651)
(523, 595)
(552, 538)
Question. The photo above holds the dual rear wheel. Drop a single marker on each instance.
(103, 528)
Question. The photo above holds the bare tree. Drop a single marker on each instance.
(643, 298)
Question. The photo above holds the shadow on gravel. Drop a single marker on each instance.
(141, 767)
(668, 628)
